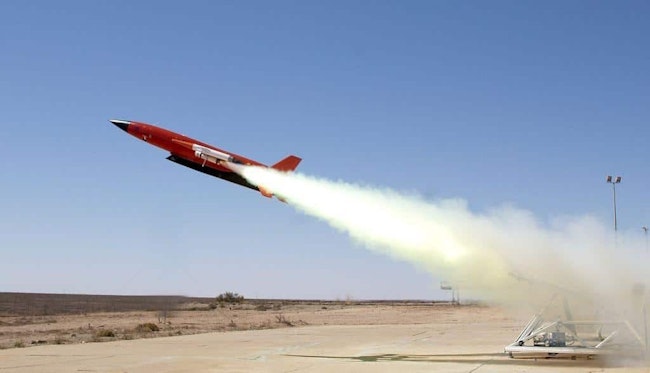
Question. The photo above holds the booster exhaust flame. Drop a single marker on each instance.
(502, 255)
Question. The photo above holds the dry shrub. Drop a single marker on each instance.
(229, 297)
(147, 327)
(105, 333)
(283, 320)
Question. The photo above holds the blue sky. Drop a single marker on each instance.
(506, 102)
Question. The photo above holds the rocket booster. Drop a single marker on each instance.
(208, 154)
(211, 155)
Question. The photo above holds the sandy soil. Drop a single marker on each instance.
(194, 318)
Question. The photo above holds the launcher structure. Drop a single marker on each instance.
(565, 336)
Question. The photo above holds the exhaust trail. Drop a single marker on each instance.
(502, 254)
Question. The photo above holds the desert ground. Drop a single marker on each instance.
(56, 320)
(199, 335)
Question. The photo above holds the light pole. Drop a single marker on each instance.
(645, 231)
(614, 181)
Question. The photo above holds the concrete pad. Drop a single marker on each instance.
(371, 348)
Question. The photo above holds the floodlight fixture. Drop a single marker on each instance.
(614, 181)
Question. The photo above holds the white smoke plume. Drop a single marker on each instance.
(505, 254)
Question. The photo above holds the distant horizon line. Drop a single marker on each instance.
(211, 297)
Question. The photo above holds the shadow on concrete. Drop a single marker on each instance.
(493, 359)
